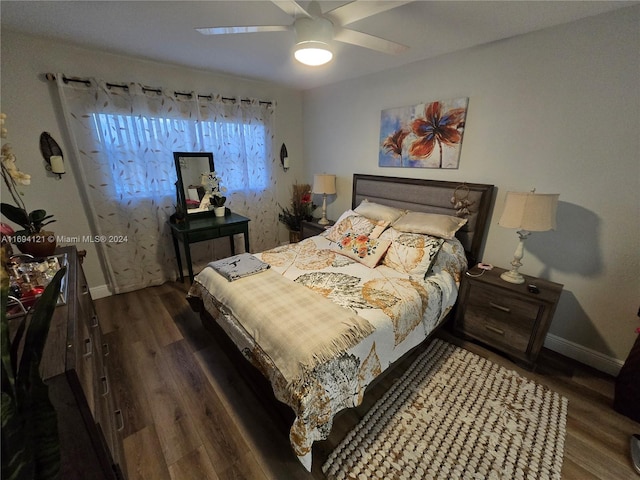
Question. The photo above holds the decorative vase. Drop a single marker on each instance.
(219, 211)
(41, 244)
(294, 236)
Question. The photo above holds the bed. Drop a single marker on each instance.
(327, 316)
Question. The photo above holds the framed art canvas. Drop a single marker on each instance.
(427, 135)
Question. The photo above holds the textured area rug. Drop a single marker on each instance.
(453, 415)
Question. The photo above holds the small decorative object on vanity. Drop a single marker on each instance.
(513, 318)
(529, 212)
(216, 197)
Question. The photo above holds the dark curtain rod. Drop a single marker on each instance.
(51, 77)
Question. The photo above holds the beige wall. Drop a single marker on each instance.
(32, 107)
(558, 110)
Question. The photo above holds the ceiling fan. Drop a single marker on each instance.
(315, 30)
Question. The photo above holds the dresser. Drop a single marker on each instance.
(75, 367)
(512, 318)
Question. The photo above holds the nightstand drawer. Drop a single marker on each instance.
(513, 334)
(505, 307)
(506, 316)
(509, 321)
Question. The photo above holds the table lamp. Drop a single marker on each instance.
(324, 185)
(529, 212)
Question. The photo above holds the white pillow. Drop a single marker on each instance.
(375, 211)
(443, 226)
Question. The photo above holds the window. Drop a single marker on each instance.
(136, 148)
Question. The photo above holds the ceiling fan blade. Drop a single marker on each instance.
(354, 11)
(292, 8)
(371, 42)
(247, 29)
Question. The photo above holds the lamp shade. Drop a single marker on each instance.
(534, 212)
(324, 184)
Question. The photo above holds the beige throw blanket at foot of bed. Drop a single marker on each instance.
(295, 326)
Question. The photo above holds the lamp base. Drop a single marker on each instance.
(324, 220)
(512, 276)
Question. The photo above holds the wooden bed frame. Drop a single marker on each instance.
(429, 196)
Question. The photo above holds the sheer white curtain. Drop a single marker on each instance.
(124, 138)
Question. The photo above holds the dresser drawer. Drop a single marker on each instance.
(232, 230)
(203, 235)
(84, 366)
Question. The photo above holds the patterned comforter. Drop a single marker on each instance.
(397, 311)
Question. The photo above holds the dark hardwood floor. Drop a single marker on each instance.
(190, 414)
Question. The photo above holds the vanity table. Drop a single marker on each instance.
(204, 228)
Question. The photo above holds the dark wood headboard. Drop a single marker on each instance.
(431, 196)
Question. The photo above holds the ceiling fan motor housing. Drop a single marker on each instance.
(314, 35)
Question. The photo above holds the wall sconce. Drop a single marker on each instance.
(52, 154)
(284, 157)
(529, 212)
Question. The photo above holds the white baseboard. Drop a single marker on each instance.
(584, 355)
(100, 292)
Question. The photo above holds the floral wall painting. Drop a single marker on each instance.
(428, 135)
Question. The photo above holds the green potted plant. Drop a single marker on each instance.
(32, 238)
(30, 443)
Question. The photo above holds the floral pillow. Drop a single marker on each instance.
(357, 224)
(411, 253)
(366, 250)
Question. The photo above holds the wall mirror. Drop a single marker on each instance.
(191, 186)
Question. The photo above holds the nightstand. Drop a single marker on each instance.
(311, 228)
(504, 315)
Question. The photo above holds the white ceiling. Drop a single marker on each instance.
(164, 31)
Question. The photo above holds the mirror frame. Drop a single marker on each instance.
(181, 194)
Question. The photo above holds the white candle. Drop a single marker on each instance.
(57, 165)
(285, 163)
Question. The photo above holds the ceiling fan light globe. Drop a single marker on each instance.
(313, 41)
(313, 53)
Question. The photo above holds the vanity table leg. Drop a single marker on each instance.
(176, 247)
(233, 245)
(246, 239)
(187, 254)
